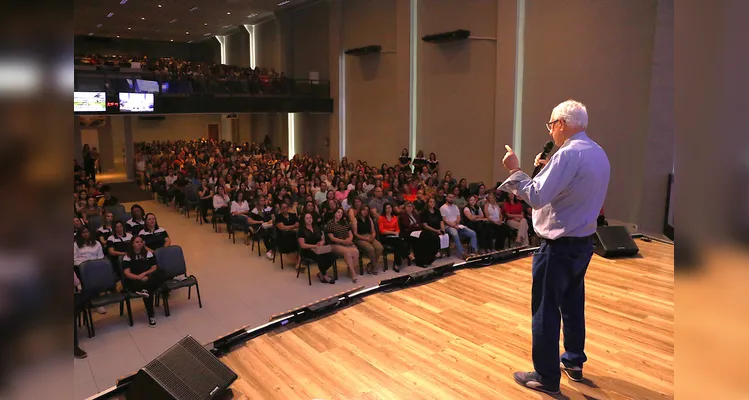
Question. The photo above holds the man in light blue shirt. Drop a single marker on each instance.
(566, 197)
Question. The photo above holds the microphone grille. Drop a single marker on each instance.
(548, 146)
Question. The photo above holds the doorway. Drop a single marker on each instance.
(213, 132)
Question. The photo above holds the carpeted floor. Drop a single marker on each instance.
(128, 192)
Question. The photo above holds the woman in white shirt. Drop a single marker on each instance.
(220, 204)
(87, 248)
(493, 214)
(240, 211)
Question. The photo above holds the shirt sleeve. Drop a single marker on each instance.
(75, 254)
(99, 250)
(555, 177)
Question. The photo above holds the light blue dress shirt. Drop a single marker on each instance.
(568, 193)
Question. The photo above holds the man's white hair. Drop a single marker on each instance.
(572, 112)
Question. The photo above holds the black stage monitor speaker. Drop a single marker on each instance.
(614, 241)
(186, 371)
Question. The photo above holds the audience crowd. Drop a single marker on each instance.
(307, 208)
(199, 76)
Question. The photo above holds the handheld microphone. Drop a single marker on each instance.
(547, 148)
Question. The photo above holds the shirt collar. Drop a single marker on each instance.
(578, 136)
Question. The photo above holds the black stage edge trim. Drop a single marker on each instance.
(223, 345)
(653, 238)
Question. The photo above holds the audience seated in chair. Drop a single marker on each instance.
(311, 240)
(390, 236)
(365, 237)
(142, 275)
(513, 211)
(452, 218)
(155, 236)
(341, 240)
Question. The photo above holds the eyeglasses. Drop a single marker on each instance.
(550, 125)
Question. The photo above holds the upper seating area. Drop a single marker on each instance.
(174, 76)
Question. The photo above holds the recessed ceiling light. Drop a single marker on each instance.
(142, 18)
(206, 24)
(187, 33)
(207, 34)
(228, 13)
(122, 2)
(189, 41)
(128, 28)
(159, 5)
(173, 21)
(98, 25)
(283, 3)
(110, 15)
(194, 9)
(252, 15)
(91, 34)
(171, 40)
(118, 35)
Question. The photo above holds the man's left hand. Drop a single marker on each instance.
(510, 160)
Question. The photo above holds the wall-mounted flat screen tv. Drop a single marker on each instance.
(136, 102)
(145, 86)
(89, 102)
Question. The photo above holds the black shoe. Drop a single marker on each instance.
(79, 353)
(532, 380)
(205, 221)
(151, 322)
(574, 373)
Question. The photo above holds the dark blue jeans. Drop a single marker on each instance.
(558, 294)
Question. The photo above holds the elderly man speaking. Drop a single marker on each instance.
(566, 197)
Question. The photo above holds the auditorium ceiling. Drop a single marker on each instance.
(172, 20)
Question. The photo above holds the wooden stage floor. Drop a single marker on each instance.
(461, 337)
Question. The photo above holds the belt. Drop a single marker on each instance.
(569, 240)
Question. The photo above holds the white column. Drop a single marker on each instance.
(413, 87)
(222, 41)
(227, 125)
(251, 31)
(292, 134)
(517, 136)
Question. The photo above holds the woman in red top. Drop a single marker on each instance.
(513, 211)
(408, 194)
(390, 235)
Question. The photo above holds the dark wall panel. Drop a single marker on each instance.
(207, 50)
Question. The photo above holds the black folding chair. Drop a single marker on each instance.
(276, 233)
(116, 209)
(94, 223)
(308, 266)
(125, 217)
(98, 276)
(192, 200)
(171, 260)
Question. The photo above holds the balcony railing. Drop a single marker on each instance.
(112, 81)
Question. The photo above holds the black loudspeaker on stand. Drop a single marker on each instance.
(186, 371)
(614, 241)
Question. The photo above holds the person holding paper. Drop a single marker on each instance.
(311, 240)
(451, 217)
(424, 244)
